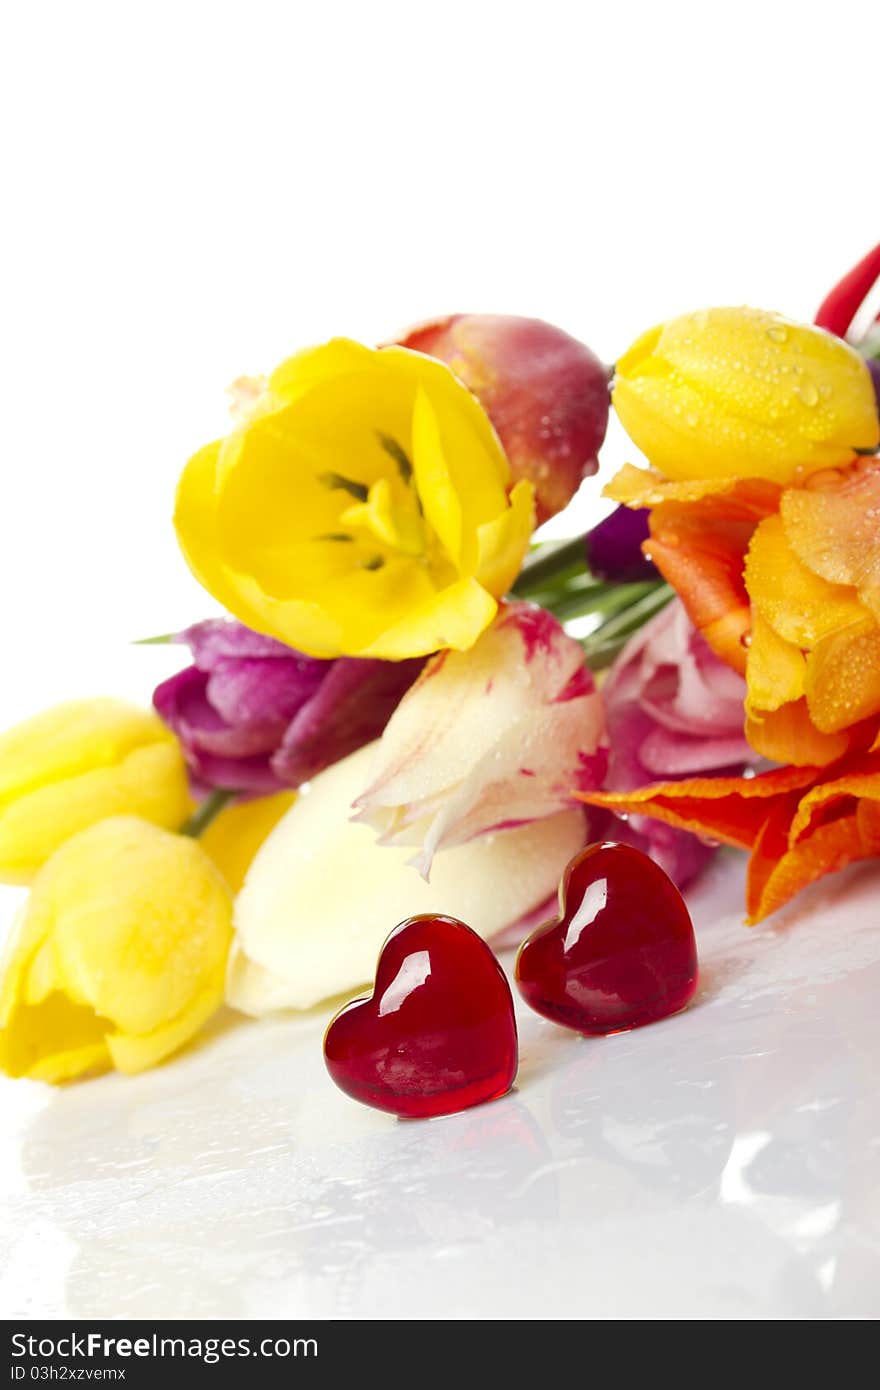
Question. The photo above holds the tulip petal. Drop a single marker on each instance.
(775, 670)
(644, 487)
(835, 529)
(267, 522)
(699, 548)
(788, 735)
(732, 810)
(352, 706)
(830, 848)
(732, 392)
(798, 604)
(843, 677)
(126, 901)
(857, 782)
(491, 737)
(149, 782)
(233, 838)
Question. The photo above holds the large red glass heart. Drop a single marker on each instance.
(438, 1032)
(622, 950)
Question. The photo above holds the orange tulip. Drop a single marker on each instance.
(798, 822)
(785, 586)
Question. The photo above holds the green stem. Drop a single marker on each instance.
(604, 644)
(547, 565)
(208, 811)
(609, 599)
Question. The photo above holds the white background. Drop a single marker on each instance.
(192, 191)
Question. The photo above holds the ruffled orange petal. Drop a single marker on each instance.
(788, 735)
(642, 487)
(857, 782)
(833, 525)
(800, 606)
(843, 676)
(771, 845)
(699, 548)
(775, 670)
(732, 810)
(830, 848)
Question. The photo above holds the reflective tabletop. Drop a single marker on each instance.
(721, 1164)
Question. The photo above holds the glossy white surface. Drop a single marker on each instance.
(723, 1163)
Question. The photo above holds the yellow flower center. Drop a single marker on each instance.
(387, 514)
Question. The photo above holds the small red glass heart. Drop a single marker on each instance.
(438, 1032)
(622, 950)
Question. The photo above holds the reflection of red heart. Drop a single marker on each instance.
(621, 952)
(438, 1032)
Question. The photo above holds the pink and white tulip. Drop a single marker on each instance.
(674, 709)
(487, 739)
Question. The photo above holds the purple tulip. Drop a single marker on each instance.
(614, 547)
(253, 715)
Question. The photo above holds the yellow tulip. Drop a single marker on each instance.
(234, 836)
(361, 508)
(742, 393)
(76, 764)
(118, 957)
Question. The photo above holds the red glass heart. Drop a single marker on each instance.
(622, 950)
(438, 1032)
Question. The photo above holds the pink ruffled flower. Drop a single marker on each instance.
(253, 715)
(673, 710)
(488, 739)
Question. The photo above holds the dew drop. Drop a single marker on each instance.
(777, 333)
(808, 392)
(746, 640)
(691, 420)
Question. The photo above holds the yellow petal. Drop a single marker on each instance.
(72, 737)
(503, 541)
(453, 618)
(119, 955)
(233, 839)
(843, 676)
(738, 392)
(267, 521)
(834, 527)
(643, 487)
(774, 669)
(788, 735)
(149, 782)
(800, 606)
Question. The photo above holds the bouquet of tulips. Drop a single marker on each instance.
(412, 707)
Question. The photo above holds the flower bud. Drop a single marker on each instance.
(118, 957)
(741, 393)
(76, 764)
(614, 547)
(254, 715)
(545, 393)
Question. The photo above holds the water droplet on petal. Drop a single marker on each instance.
(808, 392)
(777, 333)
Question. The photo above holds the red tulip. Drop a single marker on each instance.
(545, 393)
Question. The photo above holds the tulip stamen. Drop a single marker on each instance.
(351, 485)
(398, 453)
